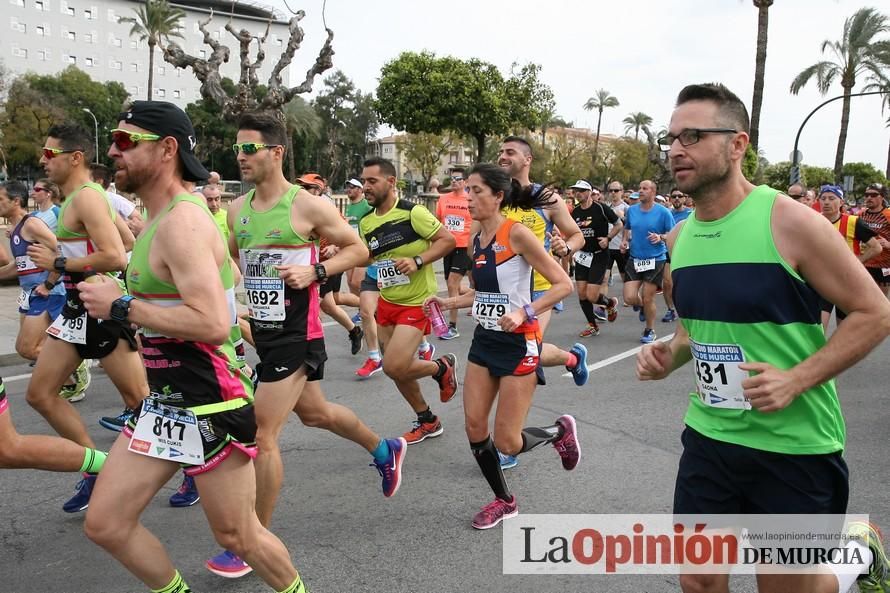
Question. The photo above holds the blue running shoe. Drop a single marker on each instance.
(228, 565)
(558, 307)
(186, 495)
(671, 315)
(508, 461)
(579, 371)
(82, 492)
(648, 336)
(357, 318)
(116, 423)
(391, 469)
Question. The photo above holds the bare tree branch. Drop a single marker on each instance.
(206, 71)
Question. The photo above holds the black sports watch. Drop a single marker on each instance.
(120, 309)
(48, 285)
(59, 264)
(418, 261)
(321, 273)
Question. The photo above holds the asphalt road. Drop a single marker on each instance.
(345, 537)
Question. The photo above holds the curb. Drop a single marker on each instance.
(8, 360)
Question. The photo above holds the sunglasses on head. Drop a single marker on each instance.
(51, 153)
(125, 139)
(251, 147)
(872, 194)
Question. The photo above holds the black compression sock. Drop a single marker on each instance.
(426, 416)
(534, 436)
(604, 301)
(587, 308)
(487, 457)
(441, 370)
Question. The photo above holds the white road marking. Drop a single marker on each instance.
(613, 359)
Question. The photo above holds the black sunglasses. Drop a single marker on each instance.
(614, 191)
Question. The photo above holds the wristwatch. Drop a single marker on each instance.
(320, 273)
(59, 264)
(120, 308)
(529, 312)
(418, 261)
(48, 285)
(568, 251)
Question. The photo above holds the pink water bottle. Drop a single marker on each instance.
(437, 318)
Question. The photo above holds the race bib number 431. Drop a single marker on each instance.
(718, 376)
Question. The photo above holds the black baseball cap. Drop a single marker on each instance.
(166, 119)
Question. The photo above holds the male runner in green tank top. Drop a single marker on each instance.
(765, 433)
(200, 411)
(88, 237)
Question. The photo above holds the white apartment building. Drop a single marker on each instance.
(47, 36)
(388, 148)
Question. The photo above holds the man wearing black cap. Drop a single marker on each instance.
(876, 216)
(199, 413)
(88, 241)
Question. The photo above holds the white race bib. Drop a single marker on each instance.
(583, 258)
(168, 433)
(72, 330)
(489, 307)
(388, 275)
(265, 299)
(644, 265)
(24, 263)
(718, 376)
(263, 288)
(454, 224)
(885, 271)
(24, 301)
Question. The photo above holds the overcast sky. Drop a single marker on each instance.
(641, 51)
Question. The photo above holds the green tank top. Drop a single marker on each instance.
(185, 373)
(73, 244)
(740, 301)
(279, 315)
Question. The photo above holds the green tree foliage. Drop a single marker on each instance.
(215, 137)
(420, 92)
(155, 22)
(348, 122)
(750, 163)
(776, 175)
(636, 122)
(424, 151)
(36, 102)
(863, 174)
(625, 160)
(859, 51)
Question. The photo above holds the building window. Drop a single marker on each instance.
(134, 66)
(112, 18)
(202, 54)
(69, 10)
(18, 26)
(116, 64)
(162, 70)
(19, 52)
(91, 37)
(71, 35)
(115, 41)
(177, 94)
(17, 2)
(41, 5)
(279, 42)
(71, 59)
(40, 30)
(89, 62)
(89, 13)
(42, 55)
(161, 93)
(133, 90)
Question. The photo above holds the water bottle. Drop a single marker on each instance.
(437, 318)
(90, 275)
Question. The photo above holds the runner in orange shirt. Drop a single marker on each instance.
(452, 211)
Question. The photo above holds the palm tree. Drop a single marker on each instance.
(636, 122)
(301, 120)
(857, 52)
(879, 82)
(599, 102)
(154, 22)
(759, 67)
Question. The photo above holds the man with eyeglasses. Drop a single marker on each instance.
(89, 240)
(453, 213)
(876, 215)
(645, 226)
(198, 413)
(764, 429)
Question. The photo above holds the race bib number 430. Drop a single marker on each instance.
(718, 376)
(168, 433)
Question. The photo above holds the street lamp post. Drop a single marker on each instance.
(795, 155)
(96, 124)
